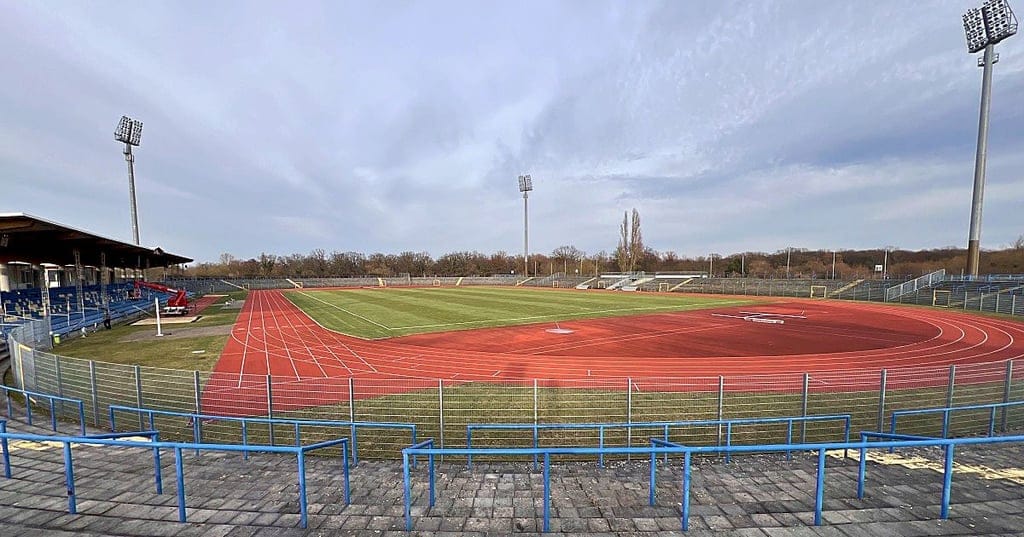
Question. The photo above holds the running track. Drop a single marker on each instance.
(847, 343)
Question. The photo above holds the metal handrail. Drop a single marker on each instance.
(297, 424)
(688, 451)
(156, 445)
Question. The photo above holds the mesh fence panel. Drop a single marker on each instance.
(677, 400)
(761, 396)
(442, 410)
(585, 401)
(489, 402)
(395, 400)
(1013, 417)
(856, 393)
(916, 388)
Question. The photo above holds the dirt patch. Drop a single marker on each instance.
(180, 332)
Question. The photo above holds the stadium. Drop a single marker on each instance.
(626, 394)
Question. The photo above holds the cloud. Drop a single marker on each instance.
(388, 127)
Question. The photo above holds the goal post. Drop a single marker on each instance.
(436, 283)
(554, 284)
(819, 291)
(940, 297)
(663, 287)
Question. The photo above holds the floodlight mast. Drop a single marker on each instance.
(984, 27)
(129, 131)
(525, 186)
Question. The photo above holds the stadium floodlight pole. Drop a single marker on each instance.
(984, 27)
(129, 131)
(525, 186)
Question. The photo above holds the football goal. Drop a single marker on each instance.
(940, 297)
(436, 283)
(818, 291)
(664, 287)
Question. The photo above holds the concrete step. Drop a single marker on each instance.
(762, 495)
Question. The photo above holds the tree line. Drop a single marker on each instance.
(630, 255)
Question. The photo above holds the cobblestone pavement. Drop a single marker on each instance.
(762, 496)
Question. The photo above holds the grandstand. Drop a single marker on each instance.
(70, 278)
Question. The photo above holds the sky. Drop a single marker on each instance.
(282, 127)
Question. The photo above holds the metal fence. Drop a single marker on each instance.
(1008, 301)
(442, 409)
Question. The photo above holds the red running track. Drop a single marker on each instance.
(845, 342)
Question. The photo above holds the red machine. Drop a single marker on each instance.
(176, 305)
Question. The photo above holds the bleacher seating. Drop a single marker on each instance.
(67, 315)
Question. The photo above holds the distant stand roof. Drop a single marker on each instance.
(31, 239)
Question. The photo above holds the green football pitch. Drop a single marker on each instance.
(383, 313)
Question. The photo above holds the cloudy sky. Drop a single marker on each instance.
(282, 127)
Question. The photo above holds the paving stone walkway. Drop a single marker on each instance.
(753, 496)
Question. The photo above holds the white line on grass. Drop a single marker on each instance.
(339, 308)
(562, 315)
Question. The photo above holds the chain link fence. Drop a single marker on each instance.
(442, 409)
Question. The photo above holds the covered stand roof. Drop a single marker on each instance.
(31, 239)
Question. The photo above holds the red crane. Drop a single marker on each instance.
(176, 305)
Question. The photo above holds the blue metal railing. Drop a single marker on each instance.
(51, 399)
(156, 445)
(4, 451)
(664, 425)
(687, 452)
(297, 424)
(947, 411)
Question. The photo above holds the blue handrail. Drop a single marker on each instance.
(688, 451)
(53, 399)
(665, 425)
(946, 411)
(197, 419)
(156, 445)
(3, 449)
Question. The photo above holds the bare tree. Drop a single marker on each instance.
(630, 251)
(622, 250)
(267, 263)
(636, 243)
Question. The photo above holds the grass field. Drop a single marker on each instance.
(130, 345)
(378, 313)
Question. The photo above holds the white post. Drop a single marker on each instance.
(157, 302)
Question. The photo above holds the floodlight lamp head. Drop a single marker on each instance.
(974, 28)
(525, 183)
(988, 24)
(128, 131)
(1000, 22)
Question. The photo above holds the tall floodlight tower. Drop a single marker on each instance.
(525, 186)
(985, 26)
(129, 131)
